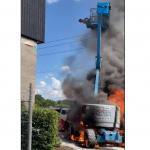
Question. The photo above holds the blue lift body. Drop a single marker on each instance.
(107, 136)
(98, 20)
(103, 11)
(103, 8)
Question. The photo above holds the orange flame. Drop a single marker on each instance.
(79, 138)
(117, 97)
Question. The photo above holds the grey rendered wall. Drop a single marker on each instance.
(28, 66)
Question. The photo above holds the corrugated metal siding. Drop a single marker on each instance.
(33, 19)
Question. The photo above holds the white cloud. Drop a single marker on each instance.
(52, 1)
(49, 75)
(65, 68)
(52, 91)
(37, 91)
(56, 84)
(56, 90)
(42, 83)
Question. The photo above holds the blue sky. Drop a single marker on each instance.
(61, 22)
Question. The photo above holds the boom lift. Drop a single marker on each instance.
(96, 123)
(99, 20)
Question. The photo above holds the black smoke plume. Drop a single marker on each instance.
(81, 87)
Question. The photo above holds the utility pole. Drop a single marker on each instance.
(30, 119)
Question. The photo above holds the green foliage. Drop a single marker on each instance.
(65, 103)
(24, 129)
(41, 102)
(45, 129)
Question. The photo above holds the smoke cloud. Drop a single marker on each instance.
(80, 87)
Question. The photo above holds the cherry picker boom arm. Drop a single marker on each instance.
(98, 20)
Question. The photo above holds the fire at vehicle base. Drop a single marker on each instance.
(95, 125)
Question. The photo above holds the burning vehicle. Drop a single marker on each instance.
(63, 111)
(95, 124)
(95, 120)
(63, 117)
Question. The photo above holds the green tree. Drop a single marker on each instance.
(44, 129)
(41, 102)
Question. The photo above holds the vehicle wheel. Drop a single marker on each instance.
(71, 130)
(90, 138)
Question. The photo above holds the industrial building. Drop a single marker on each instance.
(32, 33)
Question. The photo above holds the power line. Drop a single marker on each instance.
(57, 45)
(66, 38)
(60, 52)
(54, 50)
(61, 44)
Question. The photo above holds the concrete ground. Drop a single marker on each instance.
(64, 148)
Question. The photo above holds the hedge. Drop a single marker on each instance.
(44, 129)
